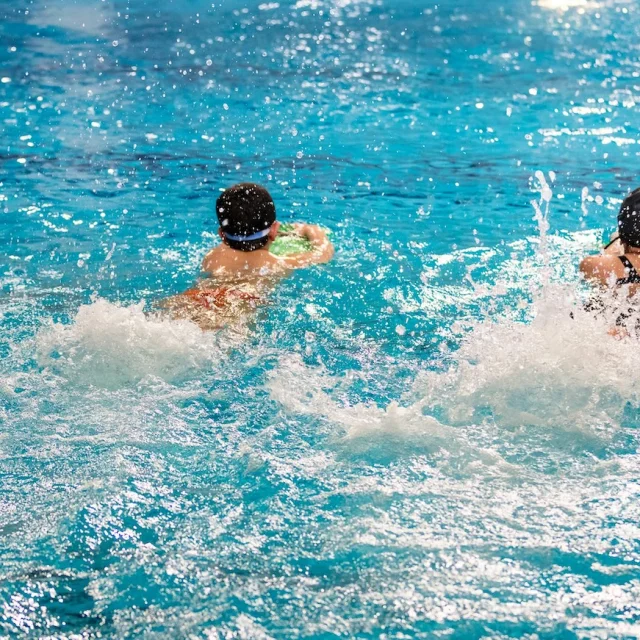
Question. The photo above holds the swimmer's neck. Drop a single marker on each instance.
(225, 244)
(225, 260)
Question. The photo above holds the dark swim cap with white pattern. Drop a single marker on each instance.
(245, 209)
(629, 220)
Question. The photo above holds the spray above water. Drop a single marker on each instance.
(110, 345)
(540, 364)
(560, 368)
(552, 374)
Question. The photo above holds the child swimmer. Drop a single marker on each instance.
(620, 258)
(251, 259)
(617, 268)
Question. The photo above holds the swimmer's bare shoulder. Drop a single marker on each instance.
(224, 259)
(602, 269)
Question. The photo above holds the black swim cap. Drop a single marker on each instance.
(629, 220)
(245, 212)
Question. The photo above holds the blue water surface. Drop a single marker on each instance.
(413, 441)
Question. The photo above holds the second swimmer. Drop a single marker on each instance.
(617, 270)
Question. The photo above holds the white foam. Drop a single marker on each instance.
(553, 371)
(359, 420)
(511, 387)
(541, 366)
(110, 345)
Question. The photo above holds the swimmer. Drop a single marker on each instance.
(617, 268)
(242, 270)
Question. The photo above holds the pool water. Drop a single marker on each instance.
(415, 440)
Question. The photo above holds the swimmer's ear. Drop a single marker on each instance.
(273, 232)
(220, 233)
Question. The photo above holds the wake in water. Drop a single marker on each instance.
(543, 364)
(549, 372)
(109, 345)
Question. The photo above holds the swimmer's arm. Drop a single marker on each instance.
(322, 248)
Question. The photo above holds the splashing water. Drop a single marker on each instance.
(427, 437)
(555, 375)
(518, 438)
(111, 345)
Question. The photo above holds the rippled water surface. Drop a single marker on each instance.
(416, 440)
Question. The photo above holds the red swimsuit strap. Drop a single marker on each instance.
(243, 295)
(217, 296)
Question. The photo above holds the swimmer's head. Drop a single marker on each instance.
(247, 216)
(629, 220)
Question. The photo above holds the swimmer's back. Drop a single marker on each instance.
(223, 259)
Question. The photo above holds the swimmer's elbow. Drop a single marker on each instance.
(320, 255)
(327, 253)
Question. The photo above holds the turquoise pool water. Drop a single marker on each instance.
(415, 440)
